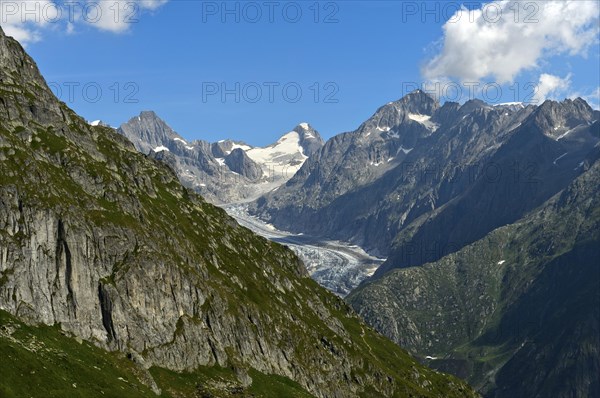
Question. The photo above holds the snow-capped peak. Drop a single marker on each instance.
(519, 104)
(184, 142)
(283, 158)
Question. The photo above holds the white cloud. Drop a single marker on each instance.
(503, 38)
(117, 15)
(551, 87)
(151, 4)
(26, 20)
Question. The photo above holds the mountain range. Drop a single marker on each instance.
(415, 157)
(112, 253)
(226, 171)
(516, 312)
(488, 217)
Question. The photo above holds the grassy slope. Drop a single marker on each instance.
(42, 361)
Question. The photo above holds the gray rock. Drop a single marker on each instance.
(370, 185)
(240, 163)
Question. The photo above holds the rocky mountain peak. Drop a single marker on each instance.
(309, 139)
(419, 102)
(473, 105)
(147, 131)
(416, 106)
(555, 119)
(240, 163)
(223, 148)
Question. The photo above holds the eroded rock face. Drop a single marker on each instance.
(104, 241)
(240, 163)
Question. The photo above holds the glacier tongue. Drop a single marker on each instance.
(337, 266)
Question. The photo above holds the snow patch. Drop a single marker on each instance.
(406, 151)
(418, 117)
(276, 160)
(564, 135)
(520, 104)
(161, 148)
(180, 140)
(304, 126)
(560, 157)
(95, 123)
(245, 148)
(424, 120)
(501, 262)
(221, 161)
(430, 357)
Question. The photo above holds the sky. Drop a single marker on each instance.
(252, 71)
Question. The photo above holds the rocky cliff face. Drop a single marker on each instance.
(515, 313)
(105, 242)
(240, 163)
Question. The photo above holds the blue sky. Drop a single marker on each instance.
(351, 57)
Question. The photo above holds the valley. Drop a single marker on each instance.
(337, 266)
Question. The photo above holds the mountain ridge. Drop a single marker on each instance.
(210, 169)
(369, 185)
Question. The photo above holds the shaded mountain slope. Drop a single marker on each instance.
(515, 313)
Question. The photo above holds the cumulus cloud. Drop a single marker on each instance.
(117, 15)
(551, 87)
(503, 38)
(26, 20)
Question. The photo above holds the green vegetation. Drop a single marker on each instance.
(43, 361)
